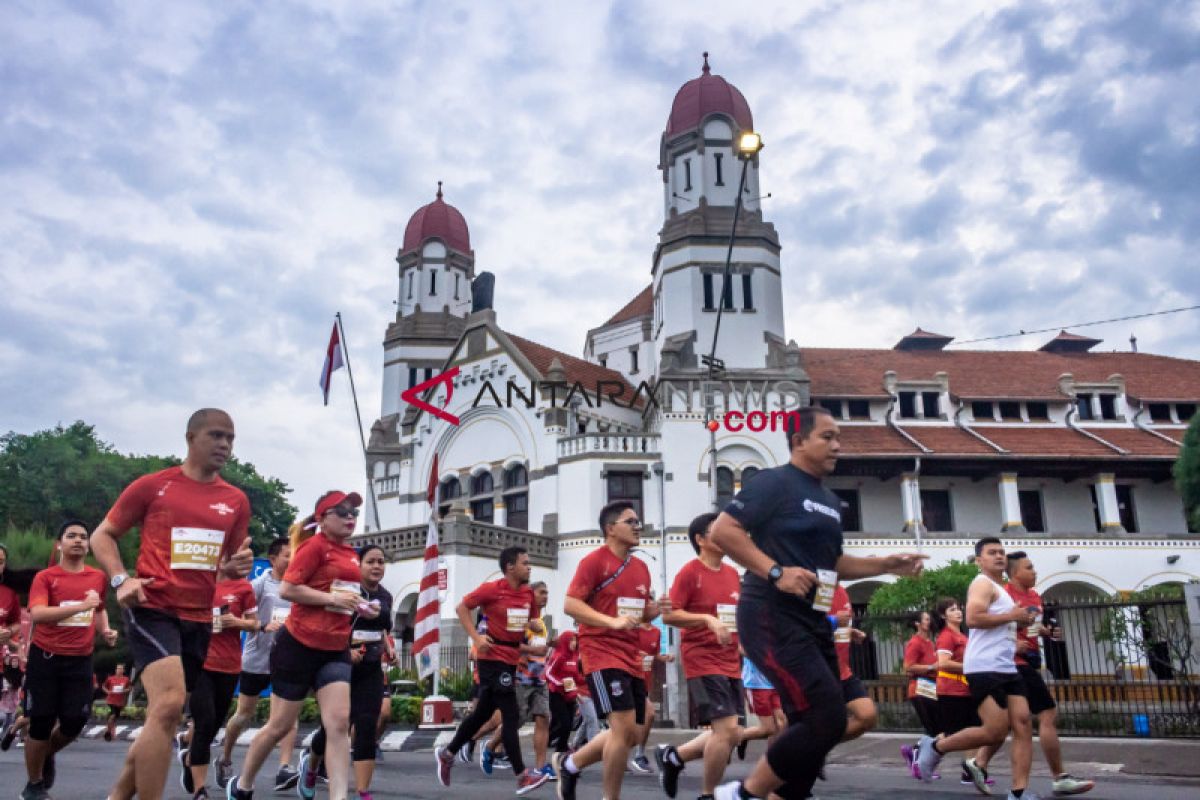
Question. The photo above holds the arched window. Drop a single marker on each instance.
(516, 497)
(747, 474)
(482, 503)
(724, 486)
(447, 491)
(481, 483)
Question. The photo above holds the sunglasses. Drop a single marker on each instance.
(344, 513)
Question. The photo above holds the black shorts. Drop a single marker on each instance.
(717, 697)
(799, 661)
(617, 690)
(297, 668)
(955, 713)
(997, 685)
(252, 684)
(1036, 690)
(853, 689)
(57, 686)
(153, 634)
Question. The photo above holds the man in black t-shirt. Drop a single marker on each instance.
(793, 559)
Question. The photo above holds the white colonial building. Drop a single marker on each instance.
(1066, 451)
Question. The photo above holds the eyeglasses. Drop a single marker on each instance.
(344, 513)
(636, 524)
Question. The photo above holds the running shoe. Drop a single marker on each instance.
(49, 772)
(445, 762)
(186, 781)
(365, 796)
(927, 759)
(6, 740)
(233, 792)
(667, 757)
(202, 794)
(1066, 784)
(501, 761)
(640, 763)
(306, 780)
(486, 760)
(966, 780)
(285, 778)
(529, 780)
(224, 770)
(466, 753)
(180, 743)
(906, 752)
(108, 734)
(549, 772)
(978, 776)
(566, 778)
(34, 791)
(728, 791)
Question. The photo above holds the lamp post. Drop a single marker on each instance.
(747, 148)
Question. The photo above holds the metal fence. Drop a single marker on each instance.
(1120, 668)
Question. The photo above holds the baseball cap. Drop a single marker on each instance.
(334, 499)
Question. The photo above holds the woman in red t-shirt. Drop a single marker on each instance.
(312, 652)
(564, 680)
(920, 664)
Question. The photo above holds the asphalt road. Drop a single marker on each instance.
(87, 767)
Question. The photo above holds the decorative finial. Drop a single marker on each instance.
(706, 68)
(439, 193)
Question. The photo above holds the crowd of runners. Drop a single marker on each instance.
(317, 623)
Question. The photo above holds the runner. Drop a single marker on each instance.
(991, 672)
(194, 526)
(785, 528)
(860, 708)
(1022, 577)
(564, 681)
(921, 666)
(609, 597)
(367, 651)
(764, 702)
(116, 695)
(66, 605)
(704, 604)
(956, 710)
(234, 609)
(533, 699)
(10, 612)
(312, 652)
(256, 667)
(650, 651)
(509, 605)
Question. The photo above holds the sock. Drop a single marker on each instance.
(1017, 792)
(935, 748)
(569, 765)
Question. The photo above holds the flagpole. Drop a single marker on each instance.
(358, 415)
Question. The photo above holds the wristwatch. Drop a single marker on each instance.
(116, 580)
(775, 573)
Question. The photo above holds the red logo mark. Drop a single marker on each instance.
(410, 395)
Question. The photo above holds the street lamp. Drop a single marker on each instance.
(748, 146)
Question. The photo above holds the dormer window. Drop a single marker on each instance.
(859, 409)
(1010, 410)
(1083, 402)
(908, 405)
(931, 404)
(1038, 411)
(834, 407)
(1185, 411)
(983, 411)
(1108, 406)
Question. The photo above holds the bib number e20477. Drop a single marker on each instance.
(196, 548)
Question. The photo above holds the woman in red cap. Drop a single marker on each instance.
(312, 651)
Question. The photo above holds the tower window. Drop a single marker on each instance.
(687, 174)
(633, 360)
(456, 277)
(433, 281)
(412, 377)
(747, 293)
(709, 305)
(717, 159)
(410, 286)
(727, 292)
(603, 360)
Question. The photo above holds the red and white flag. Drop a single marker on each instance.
(333, 361)
(426, 647)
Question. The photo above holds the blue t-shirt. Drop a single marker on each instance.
(797, 522)
(752, 678)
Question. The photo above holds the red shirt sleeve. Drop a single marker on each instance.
(304, 563)
(944, 641)
(239, 531)
(130, 508)
(39, 591)
(912, 651)
(484, 594)
(681, 589)
(249, 601)
(584, 581)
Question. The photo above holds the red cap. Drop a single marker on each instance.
(335, 499)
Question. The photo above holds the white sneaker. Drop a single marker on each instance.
(1067, 784)
(927, 759)
(1026, 795)
(728, 791)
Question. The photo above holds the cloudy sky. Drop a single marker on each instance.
(190, 191)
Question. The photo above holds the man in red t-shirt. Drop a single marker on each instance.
(861, 714)
(116, 694)
(704, 604)
(509, 604)
(194, 527)
(610, 598)
(1022, 577)
(66, 605)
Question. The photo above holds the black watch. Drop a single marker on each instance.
(774, 574)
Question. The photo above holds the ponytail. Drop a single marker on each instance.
(301, 531)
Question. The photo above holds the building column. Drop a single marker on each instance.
(1010, 504)
(910, 500)
(1106, 502)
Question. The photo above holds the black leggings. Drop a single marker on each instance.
(366, 698)
(496, 691)
(209, 704)
(927, 712)
(562, 716)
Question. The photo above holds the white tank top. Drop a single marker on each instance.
(992, 649)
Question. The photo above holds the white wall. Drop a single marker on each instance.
(1158, 508)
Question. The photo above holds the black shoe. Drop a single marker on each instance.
(566, 778)
(186, 781)
(286, 778)
(49, 772)
(7, 739)
(232, 792)
(35, 791)
(741, 748)
(668, 773)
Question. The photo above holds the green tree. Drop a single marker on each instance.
(1187, 474)
(272, 513)
(893, 601)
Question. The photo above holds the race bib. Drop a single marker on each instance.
(569, 684)
(517, 619)
(632, 607)
(647, 662)
(727, 613)
(1035, 628)
(344, 587)
(196, 548)
(80, 619)
(117, 690)
(927, 687)
(280, 615)
(537, 641)
(842, 634)
(826, 582)
(362, 637)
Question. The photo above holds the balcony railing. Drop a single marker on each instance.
(458, 533)
(388, 485)
(629, 444)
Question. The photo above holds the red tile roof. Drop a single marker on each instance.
(999, 374)
(946, 440)
(642, 305)
(1067, 342)
(875, 440)
(438, 220)
(708, 94)
(1136, 441)
(576, 369)
(1046, 442)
